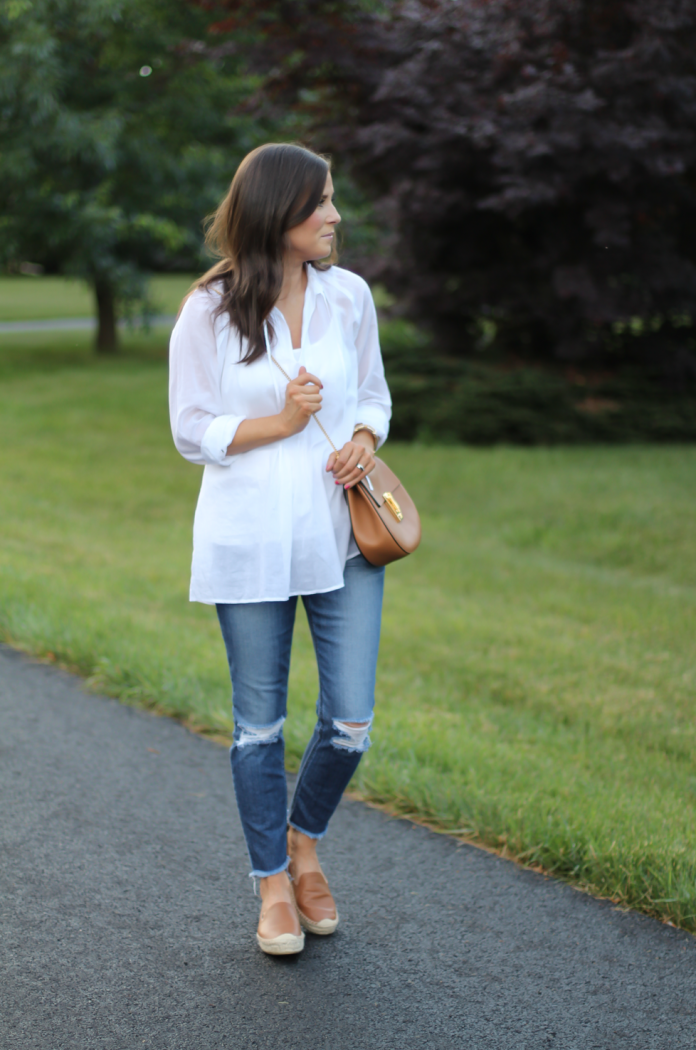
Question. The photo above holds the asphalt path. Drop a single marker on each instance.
(128, 918)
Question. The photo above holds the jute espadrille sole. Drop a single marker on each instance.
(324, 927)
(285, 944)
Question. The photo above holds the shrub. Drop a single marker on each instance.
(536, 161)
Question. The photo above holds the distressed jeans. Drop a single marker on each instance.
(345, 627)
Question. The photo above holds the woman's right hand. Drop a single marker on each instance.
(302, 400)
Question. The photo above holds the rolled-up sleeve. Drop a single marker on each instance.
(374, 401)
(202, 432)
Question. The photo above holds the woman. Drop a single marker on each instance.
(272, 335)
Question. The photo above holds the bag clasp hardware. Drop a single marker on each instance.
(393, 506)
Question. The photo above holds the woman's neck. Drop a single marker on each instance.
(294, 281)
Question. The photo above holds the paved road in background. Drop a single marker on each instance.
(73, 324)
(128, 917)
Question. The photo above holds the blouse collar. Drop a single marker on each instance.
(315, 287)
(314, 290)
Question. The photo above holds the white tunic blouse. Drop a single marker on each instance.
(271, 523)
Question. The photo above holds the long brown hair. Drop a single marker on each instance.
(276, 187)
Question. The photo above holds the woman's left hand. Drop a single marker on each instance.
(351, 464)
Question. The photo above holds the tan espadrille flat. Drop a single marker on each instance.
(279, 932)
(315, 905)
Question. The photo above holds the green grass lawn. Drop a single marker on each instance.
(49, 298)
(537, 681)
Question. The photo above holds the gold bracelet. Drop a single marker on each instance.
(364, 426)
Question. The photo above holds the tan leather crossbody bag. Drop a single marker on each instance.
(385, 520)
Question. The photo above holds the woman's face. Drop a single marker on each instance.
(313, 239)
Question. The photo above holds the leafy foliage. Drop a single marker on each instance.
(536, 160)
(115, 140)
(440, 398)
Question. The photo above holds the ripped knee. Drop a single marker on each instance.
(352, 736)
(249, 735)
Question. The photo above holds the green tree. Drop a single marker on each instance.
(115, 139)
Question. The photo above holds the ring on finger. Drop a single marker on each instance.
(360, 466)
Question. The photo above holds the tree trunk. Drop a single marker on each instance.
(107, 333)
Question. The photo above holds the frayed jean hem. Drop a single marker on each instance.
(267, 874)
(309, 834)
